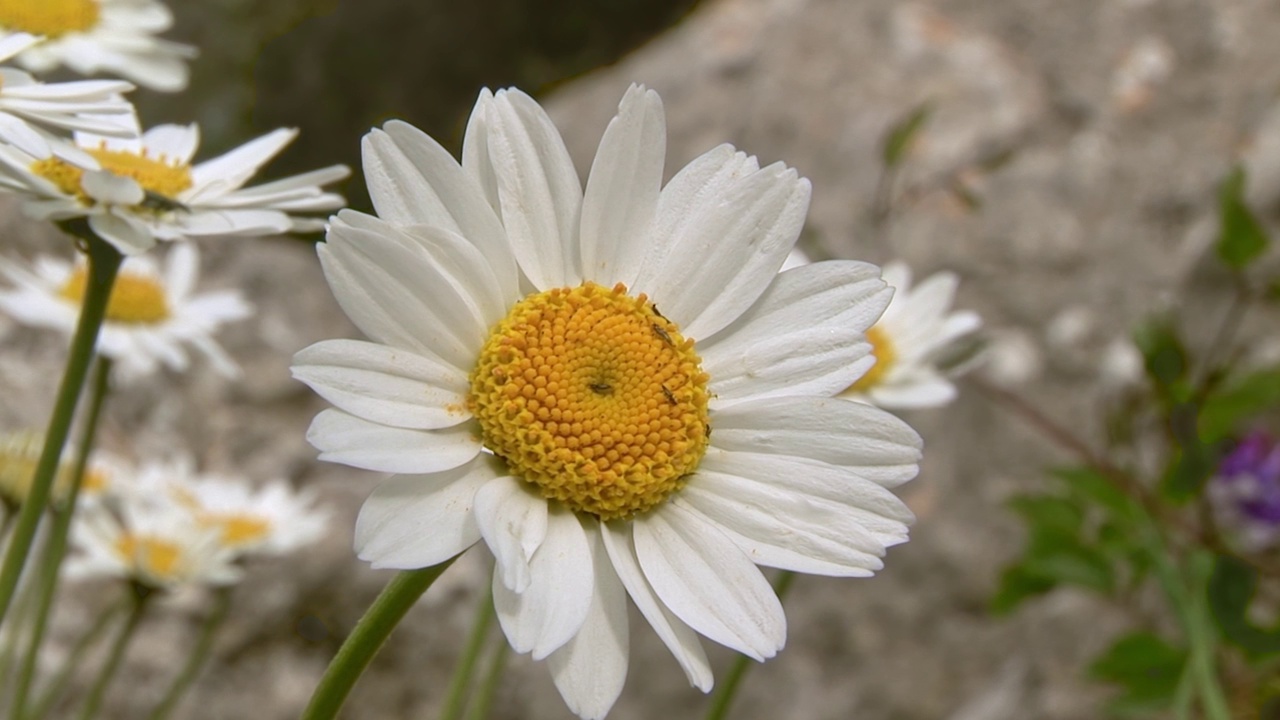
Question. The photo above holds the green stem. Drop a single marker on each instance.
(108, 671)
(58, 685)
(104, 262)
(367, 638)
(489, 686)
(725, 693)
(457, 699)
(200, 653)
(56, 547)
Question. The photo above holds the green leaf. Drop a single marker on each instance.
(1047, 515)
(1017, 584)
(1231, 588)
(1164, 356)
(1241, 237)
(1146, 667)
(1093, 487)
(1071, 564)
(1241, 400)
(898, 140)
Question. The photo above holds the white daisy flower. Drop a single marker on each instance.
(91, 36)
(273, 520)
(29, 108)
(157, 544)
(152, 316)
(907, 341)
(146, 189)
(20, 453)
(613, 388)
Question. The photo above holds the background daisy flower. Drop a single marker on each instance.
(92, 36)
(152, 316)
(28, 107)
(147, 189)
(271, 520)
(916, 327)
(613, 387)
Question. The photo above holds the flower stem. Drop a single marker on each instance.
(200, 653)
(367, 638)
(457, 699)
(489, 686)
(104, 262)
(56, 547)
(99, 690)
(724, 695)
(57, 686)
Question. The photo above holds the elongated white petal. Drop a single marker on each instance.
(554, 606)
(622, 190)
(384, 385)
(476, 160)
(125, 234)
(679, 638)
(708, 582)
(538, 190)
(349, 440)
(416, 521)
(513, 521)
(590, 669)
(923, 388)
(867, 440)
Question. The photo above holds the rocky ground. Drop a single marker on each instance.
(1091, 135)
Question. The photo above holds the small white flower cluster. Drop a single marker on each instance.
(163, 525)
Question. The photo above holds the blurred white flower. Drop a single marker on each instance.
(147, 189)
(29, 109)
(153, 313)
(908, 339)
(271, 520)
(91, 36)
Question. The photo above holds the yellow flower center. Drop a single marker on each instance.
(49, 17)
(19, 455)
(157, 175)
(885, 355)
(238, 530)
(136, 299)
(594, 397)
(149, 555)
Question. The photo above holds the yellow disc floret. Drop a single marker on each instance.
(594, 397)
(157, 175)
(237, 530)
(49, 17)
(885, 354)
(152, 558)
(135, 298)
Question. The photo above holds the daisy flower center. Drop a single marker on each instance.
(158, 175)
(135, 299)
(151, 555)
(593, 396)
(49, 17)
(885, 354)
(237, 530)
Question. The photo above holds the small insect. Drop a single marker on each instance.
(658, 312)
(160, 203)
(600, 388)
(706, 427)
(671, 398)
(666, 338)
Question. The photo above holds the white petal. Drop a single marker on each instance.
(709, 583)
(922, 389)
(383, 384)
(234, 168)
(864, 439)
(174, 143)
(722, 231)
(346, 439)
(590, 670)
(414, 181)
(622, 190)
(182, 267)
(476, 161)
(674, 633)
(538, 190)
(513, 521)
(554, 606)
(803, 337)
(111, 189)
(416, 521)
(127, 235)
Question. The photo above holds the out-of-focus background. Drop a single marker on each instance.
(1066, 172)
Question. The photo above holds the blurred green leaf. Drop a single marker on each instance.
(1240, 400)
(1017, 584)
(1049, 516)
(1092, 486)
(1164, 356)
(1241, 237)
(1146, 667)
(1231, 588)
(897, 141)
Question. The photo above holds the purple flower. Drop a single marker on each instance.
(1246, 490)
